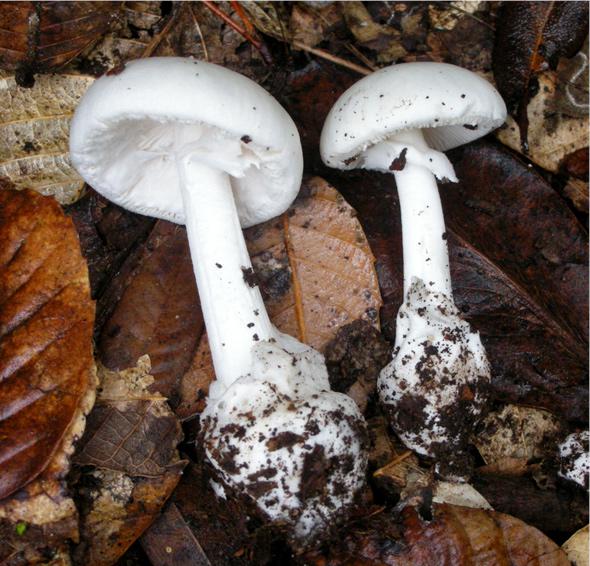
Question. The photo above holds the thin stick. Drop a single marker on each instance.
(157, 39)
(360, 56)
(333, 58)
(297, 295)
(393, 463)
(196, 20)
(245, 20)
(236, 27)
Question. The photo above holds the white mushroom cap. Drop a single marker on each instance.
(130, 127)
(452, 106)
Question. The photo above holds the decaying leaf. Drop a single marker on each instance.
(131, 465)
(270, 18)
(316, 273)
(552, 509)
(577, 191)
(40, 36)
(576, 547)
(46, 318)
(108, 235)
(47, 373)
(315, 267)
(552, 135)
(34, 130)
(513, 436)
(454, 535)
(170, 541)
(384, 40)
(157, 312)
(530, 37)
(446, 16)
(461, 494)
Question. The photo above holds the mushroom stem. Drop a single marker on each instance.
(425, 249)
(234, 312)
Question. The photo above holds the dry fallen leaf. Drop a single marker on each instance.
(315, 266)
(530, 37)
(40, 36)
(316, 272)
(513, 436)
(130, 448)
(34, 130)
(46, 319)
(48, 377)
(454, 535)
(552, 135)
(157, 312)
(576, 547)
(384, 40)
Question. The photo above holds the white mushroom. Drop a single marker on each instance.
(574, 459)
(200, 145)
(389, 121)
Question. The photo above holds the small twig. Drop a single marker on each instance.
(237, 7)
(196, 20)
(236, 27)
(157, 39)
(393, 463)
(333, 58)
(360, 56)
(472, 16)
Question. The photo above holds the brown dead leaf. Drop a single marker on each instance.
(510, 438)
(576, 547)
(117, 509)
(130, 445)
(316, 272)
(315, 266)
(455, 535)
(577, 191)
(130, 429)
(157, 312)
(552, 135)
(46, 318)
(49, 396)
(109, 235)
(530, 38)
(40, 36)
(384, 40)
(34, 130)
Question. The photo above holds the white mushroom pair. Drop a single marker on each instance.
(434, 388)
(200, 145)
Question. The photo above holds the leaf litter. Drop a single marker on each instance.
(461, 33)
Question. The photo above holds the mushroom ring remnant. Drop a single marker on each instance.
(201, 145)
(399, 120)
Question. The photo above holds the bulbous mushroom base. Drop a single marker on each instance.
(574, 459)
(280, 436)
(435, 388)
